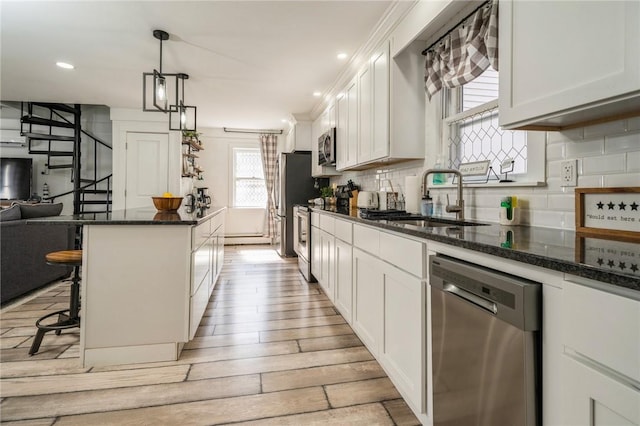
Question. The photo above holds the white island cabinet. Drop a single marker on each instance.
(146, 282)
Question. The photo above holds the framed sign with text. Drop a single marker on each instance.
(608, 212)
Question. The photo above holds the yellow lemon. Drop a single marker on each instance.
(167, 195)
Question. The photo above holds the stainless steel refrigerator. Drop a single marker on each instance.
(294, 185)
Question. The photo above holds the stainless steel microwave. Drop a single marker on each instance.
(327, 148)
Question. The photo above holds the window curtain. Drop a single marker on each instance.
(465, 52)
(268, 151)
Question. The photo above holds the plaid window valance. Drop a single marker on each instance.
(465, 52)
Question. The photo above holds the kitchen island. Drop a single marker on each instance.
(146, 280)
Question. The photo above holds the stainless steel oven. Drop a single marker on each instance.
(302, 240)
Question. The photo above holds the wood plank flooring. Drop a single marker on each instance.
(270, 350)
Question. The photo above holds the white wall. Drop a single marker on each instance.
(94, 119)
(608, 155)
(215, 159)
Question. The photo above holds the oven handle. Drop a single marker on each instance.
(470, 297)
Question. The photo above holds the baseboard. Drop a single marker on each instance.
(238, 240)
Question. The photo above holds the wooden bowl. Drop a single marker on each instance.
(167, 204)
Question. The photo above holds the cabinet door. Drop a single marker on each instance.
(368, 294)
(594, 398)
(364, 108)
(316, 253)
(380, 103)
(327, 264)
(342, 144)
(199, 301)
(551, 70)
(352, 123)
(344, 285)
(147, 162)
(403, 342)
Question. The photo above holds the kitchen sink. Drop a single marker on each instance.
(434, 223)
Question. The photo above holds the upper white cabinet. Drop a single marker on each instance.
(299, 137)
(384, 121)
(563, 64)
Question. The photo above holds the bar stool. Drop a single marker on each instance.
(67, 318)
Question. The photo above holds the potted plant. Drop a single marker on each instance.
(328, 195)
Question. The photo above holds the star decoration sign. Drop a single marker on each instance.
(613, 209)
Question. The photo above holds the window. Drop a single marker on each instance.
(472, 133)
(248, 187)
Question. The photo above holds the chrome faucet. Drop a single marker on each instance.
(458, 208)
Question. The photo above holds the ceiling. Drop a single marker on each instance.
(251, 63)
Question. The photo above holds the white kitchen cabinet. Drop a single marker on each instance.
(593, 397)
(347, 126)
(316, 253)
(580, 65)
(327, 264)
(343, 279)
(299, 137)
(365, 115)
(390, 109)
(368, 300)
(404, 321)
(601, 362)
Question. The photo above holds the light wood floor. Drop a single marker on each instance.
(271, 349)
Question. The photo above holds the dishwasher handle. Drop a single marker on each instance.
(470, 297)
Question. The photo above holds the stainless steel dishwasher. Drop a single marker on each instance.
(486, 354)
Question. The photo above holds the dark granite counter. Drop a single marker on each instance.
(609, 261)
(137, 216)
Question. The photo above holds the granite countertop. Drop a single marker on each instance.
(137, 216)
(609, 261)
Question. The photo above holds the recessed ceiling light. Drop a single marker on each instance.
(284, 120)
(65, 65)
(342, 56)
(317, 94)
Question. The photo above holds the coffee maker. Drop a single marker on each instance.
(203, 198)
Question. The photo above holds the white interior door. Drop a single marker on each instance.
(147, 173)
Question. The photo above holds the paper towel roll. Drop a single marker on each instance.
(412, 187)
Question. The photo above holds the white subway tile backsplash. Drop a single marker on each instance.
(565, 202)
(604, 164)
(547, 218)
(593, 181)
(611, 128)
(585, 148)
(628, 179)
(555, 151)
(622, 143)
(633, 124)
(567, 135)
(633, 161)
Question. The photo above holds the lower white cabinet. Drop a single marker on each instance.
(368, 300)
(343, 279)
(326, 280)
(404, 325)
(316, 253)
(592, 397)
(601, 361)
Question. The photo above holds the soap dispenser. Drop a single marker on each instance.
(426, 206)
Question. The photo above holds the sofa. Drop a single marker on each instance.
(23, 247)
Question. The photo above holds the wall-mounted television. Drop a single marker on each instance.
(16, 177)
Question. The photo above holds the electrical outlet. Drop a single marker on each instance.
(569, 173)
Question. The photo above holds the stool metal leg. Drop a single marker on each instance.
(67, 318)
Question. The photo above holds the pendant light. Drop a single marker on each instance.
(181, 116)
(161, 83)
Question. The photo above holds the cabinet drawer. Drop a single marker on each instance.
(603, 327)
(404, 253)
(327, 223)
(199, 234)
(315, 219)
(344, 230)
(367, 239)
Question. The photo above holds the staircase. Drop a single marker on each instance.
(55, 130)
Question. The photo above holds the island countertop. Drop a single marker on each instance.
(135, 216)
